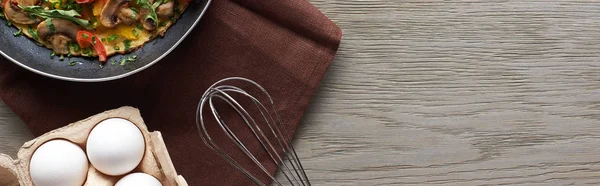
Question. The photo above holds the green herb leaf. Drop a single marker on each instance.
(52, 54)
(134, 15)
(177, 11)
(123, 61)
(69, 55)
(112, 37)
(151, 7)
(33, 32)
(87, 51)
(130, 59)
(135, 33)
(75, 47)
(155, 5)
(8, 23)
(18, 33)
(162, 24)
(73, 63)
(84, 35)
(114, 62)
(53, 5)
(70, 15)
(139, 27)
(77, 8)
(50, 25)
(127, 44)
(117, 48)
(61, 58)
(134, 9)
(94, 21)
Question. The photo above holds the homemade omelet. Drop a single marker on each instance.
(92, 27)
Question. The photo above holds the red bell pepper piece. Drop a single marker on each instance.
(86, 39)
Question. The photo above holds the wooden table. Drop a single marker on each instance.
(432, 92)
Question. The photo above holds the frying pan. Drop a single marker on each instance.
(25, 53)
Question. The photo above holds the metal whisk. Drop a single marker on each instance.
(280, 151)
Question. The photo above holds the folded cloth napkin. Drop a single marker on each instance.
(285, 45)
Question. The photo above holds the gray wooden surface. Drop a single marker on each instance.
(432, 92)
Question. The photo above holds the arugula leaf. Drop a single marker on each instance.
(70, 15)
(155, 5)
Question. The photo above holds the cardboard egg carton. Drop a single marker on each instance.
(156, 160)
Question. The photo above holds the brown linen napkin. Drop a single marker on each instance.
(285, 45)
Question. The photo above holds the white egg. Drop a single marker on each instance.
(137, 179)
(58, 163)
(115, 146)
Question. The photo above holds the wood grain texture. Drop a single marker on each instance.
(458, 93)
(13, 132)
(432, 92)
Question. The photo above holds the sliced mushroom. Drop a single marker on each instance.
(15, 14)
(128, 16)
(109, 17)
(59, 43)
(165, 10)
(29, 2)
(148, 24)
(63, 33)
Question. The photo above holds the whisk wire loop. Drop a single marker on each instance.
(289, 163)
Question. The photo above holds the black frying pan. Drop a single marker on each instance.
(25, 53)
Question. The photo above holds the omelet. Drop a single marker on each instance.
(94, 28)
